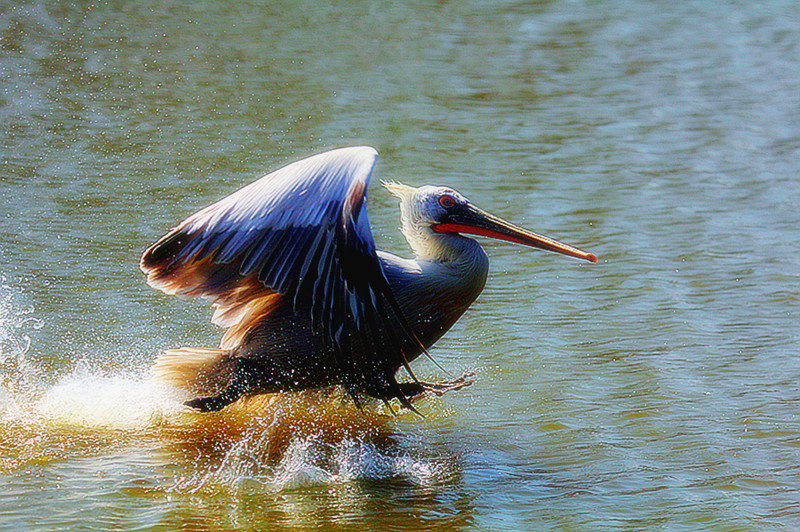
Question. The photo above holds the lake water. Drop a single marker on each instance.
(655, 390)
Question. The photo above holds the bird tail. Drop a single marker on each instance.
(202, 372)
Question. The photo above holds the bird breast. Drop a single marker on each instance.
(434, 294)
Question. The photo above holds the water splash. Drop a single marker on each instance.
(115, 401)
(87, 397)
(267, 442)
(270, 442)
(16, 324)
(308, 460)
(301, 439)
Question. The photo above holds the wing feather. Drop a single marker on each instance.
(300, 233)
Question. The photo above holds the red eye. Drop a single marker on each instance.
(447, 201)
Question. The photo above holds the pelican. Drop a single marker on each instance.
(307, 301)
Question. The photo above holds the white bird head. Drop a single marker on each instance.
(431, 214)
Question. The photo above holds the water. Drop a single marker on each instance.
(655, 390)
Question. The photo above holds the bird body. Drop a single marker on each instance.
(290, 264)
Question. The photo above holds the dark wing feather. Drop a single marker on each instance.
(301, 232)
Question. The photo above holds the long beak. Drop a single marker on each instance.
(474, 221)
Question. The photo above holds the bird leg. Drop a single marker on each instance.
(213, 404)
(415, 391)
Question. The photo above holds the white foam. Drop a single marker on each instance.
(111, 401)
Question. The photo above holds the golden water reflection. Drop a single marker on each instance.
(293, 462)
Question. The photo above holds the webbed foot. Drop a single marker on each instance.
(415, 391)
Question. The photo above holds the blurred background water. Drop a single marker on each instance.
(655, 390)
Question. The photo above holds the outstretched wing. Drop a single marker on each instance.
(298, 235)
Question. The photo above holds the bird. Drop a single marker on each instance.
(291, 267)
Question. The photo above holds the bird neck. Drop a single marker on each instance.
(454, 270)
(447, 248)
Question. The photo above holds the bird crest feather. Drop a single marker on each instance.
(404, 192)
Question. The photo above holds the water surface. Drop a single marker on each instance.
(655, 390)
